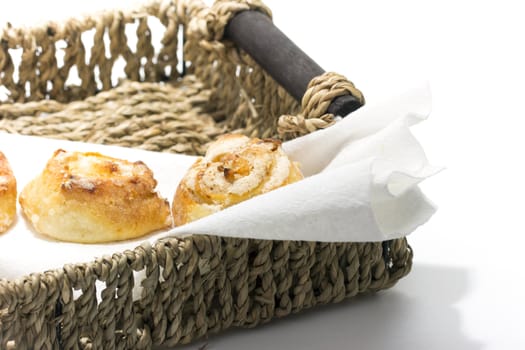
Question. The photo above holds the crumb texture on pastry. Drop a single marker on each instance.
(91, 198)
(7, 194)
(235, 168)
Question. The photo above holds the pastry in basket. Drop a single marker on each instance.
(235, 168)
(7, 194)
(91, 198)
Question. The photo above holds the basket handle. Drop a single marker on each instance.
(293, 69)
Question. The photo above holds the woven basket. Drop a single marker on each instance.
(107, 79)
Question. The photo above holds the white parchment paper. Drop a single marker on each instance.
(361, 184)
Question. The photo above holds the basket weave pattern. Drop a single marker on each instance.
(168, 102)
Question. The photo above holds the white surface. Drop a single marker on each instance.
(466, 288)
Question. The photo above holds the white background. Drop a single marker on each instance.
(467, 284)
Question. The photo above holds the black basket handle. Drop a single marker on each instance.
(293, 69)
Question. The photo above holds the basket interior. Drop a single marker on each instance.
(156, 78)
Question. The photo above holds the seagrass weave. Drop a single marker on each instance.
(107, 79)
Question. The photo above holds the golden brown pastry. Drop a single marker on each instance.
(90, 198)
(235, 168)
(7, 194)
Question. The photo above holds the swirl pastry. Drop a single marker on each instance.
(7, 194)
(90, 198)
(235, 168)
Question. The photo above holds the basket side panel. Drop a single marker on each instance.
(78, 58)
(244, 97)
(182, 289)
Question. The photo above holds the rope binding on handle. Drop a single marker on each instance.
(321, 91)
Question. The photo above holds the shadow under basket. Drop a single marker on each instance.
(110, 79)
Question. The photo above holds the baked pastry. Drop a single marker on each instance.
(7, 194)
(91, 198)
(235, 168)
